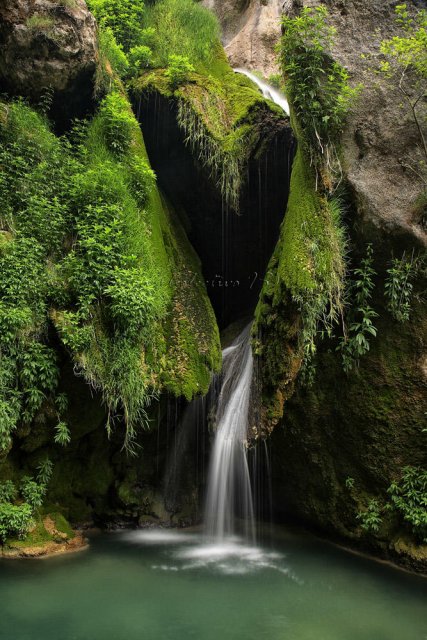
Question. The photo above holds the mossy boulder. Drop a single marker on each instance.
(49, 46)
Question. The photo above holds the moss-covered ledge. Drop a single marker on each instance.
(50, 535)
(224, 118)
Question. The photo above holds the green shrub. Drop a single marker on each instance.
(44, 471)
(15, 520)
(317, 87)
(140, 58)
(134, 304)
(32, 492)
(148, 37)
(117, 123)
(371, 518)
(10, 408)
(74, 334)
(38, 376)
(409, 498)
(111, 52)
(142, 179)
(179, 70)
(7, 491)
(399, 287)
(124, 17)
(360, 328)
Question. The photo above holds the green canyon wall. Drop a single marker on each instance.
(107, 325)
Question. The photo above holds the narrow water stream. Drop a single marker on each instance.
(229, 486)
(267, 90)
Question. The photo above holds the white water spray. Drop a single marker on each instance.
(267, 90)
(229, 488)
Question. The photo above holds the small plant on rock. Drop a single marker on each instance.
(179, 70)
(62, 433)
(370, 518)
(40, 23)
(399, 287)
(409, 498)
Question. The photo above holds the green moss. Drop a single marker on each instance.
(310, 255)
(303, 288)
(219, 112)
(193, 349)
(36, 538)
(62, 525)
(98, 258)
(302, 223)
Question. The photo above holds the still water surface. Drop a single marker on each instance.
(166, 585)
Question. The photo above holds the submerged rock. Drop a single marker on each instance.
(49, 46)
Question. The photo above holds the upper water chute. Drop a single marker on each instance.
(229, 495)
(268, 92)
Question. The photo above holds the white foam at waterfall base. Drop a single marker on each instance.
(267, 90)
(188, 551)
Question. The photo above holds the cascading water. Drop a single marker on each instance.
(267, 90)
(229, 494)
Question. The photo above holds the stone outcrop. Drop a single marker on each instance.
(381, 142)
(251, 30)
(46, 45)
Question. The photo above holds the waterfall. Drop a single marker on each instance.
(229, 494)
(267, 90)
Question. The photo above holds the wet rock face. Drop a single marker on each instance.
(251, 29)
(45, 44)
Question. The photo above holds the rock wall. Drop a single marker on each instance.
(381, 142)
(49, 45)
(251, 30)
(342, 442)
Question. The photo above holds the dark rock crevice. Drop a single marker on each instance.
(234, 248)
